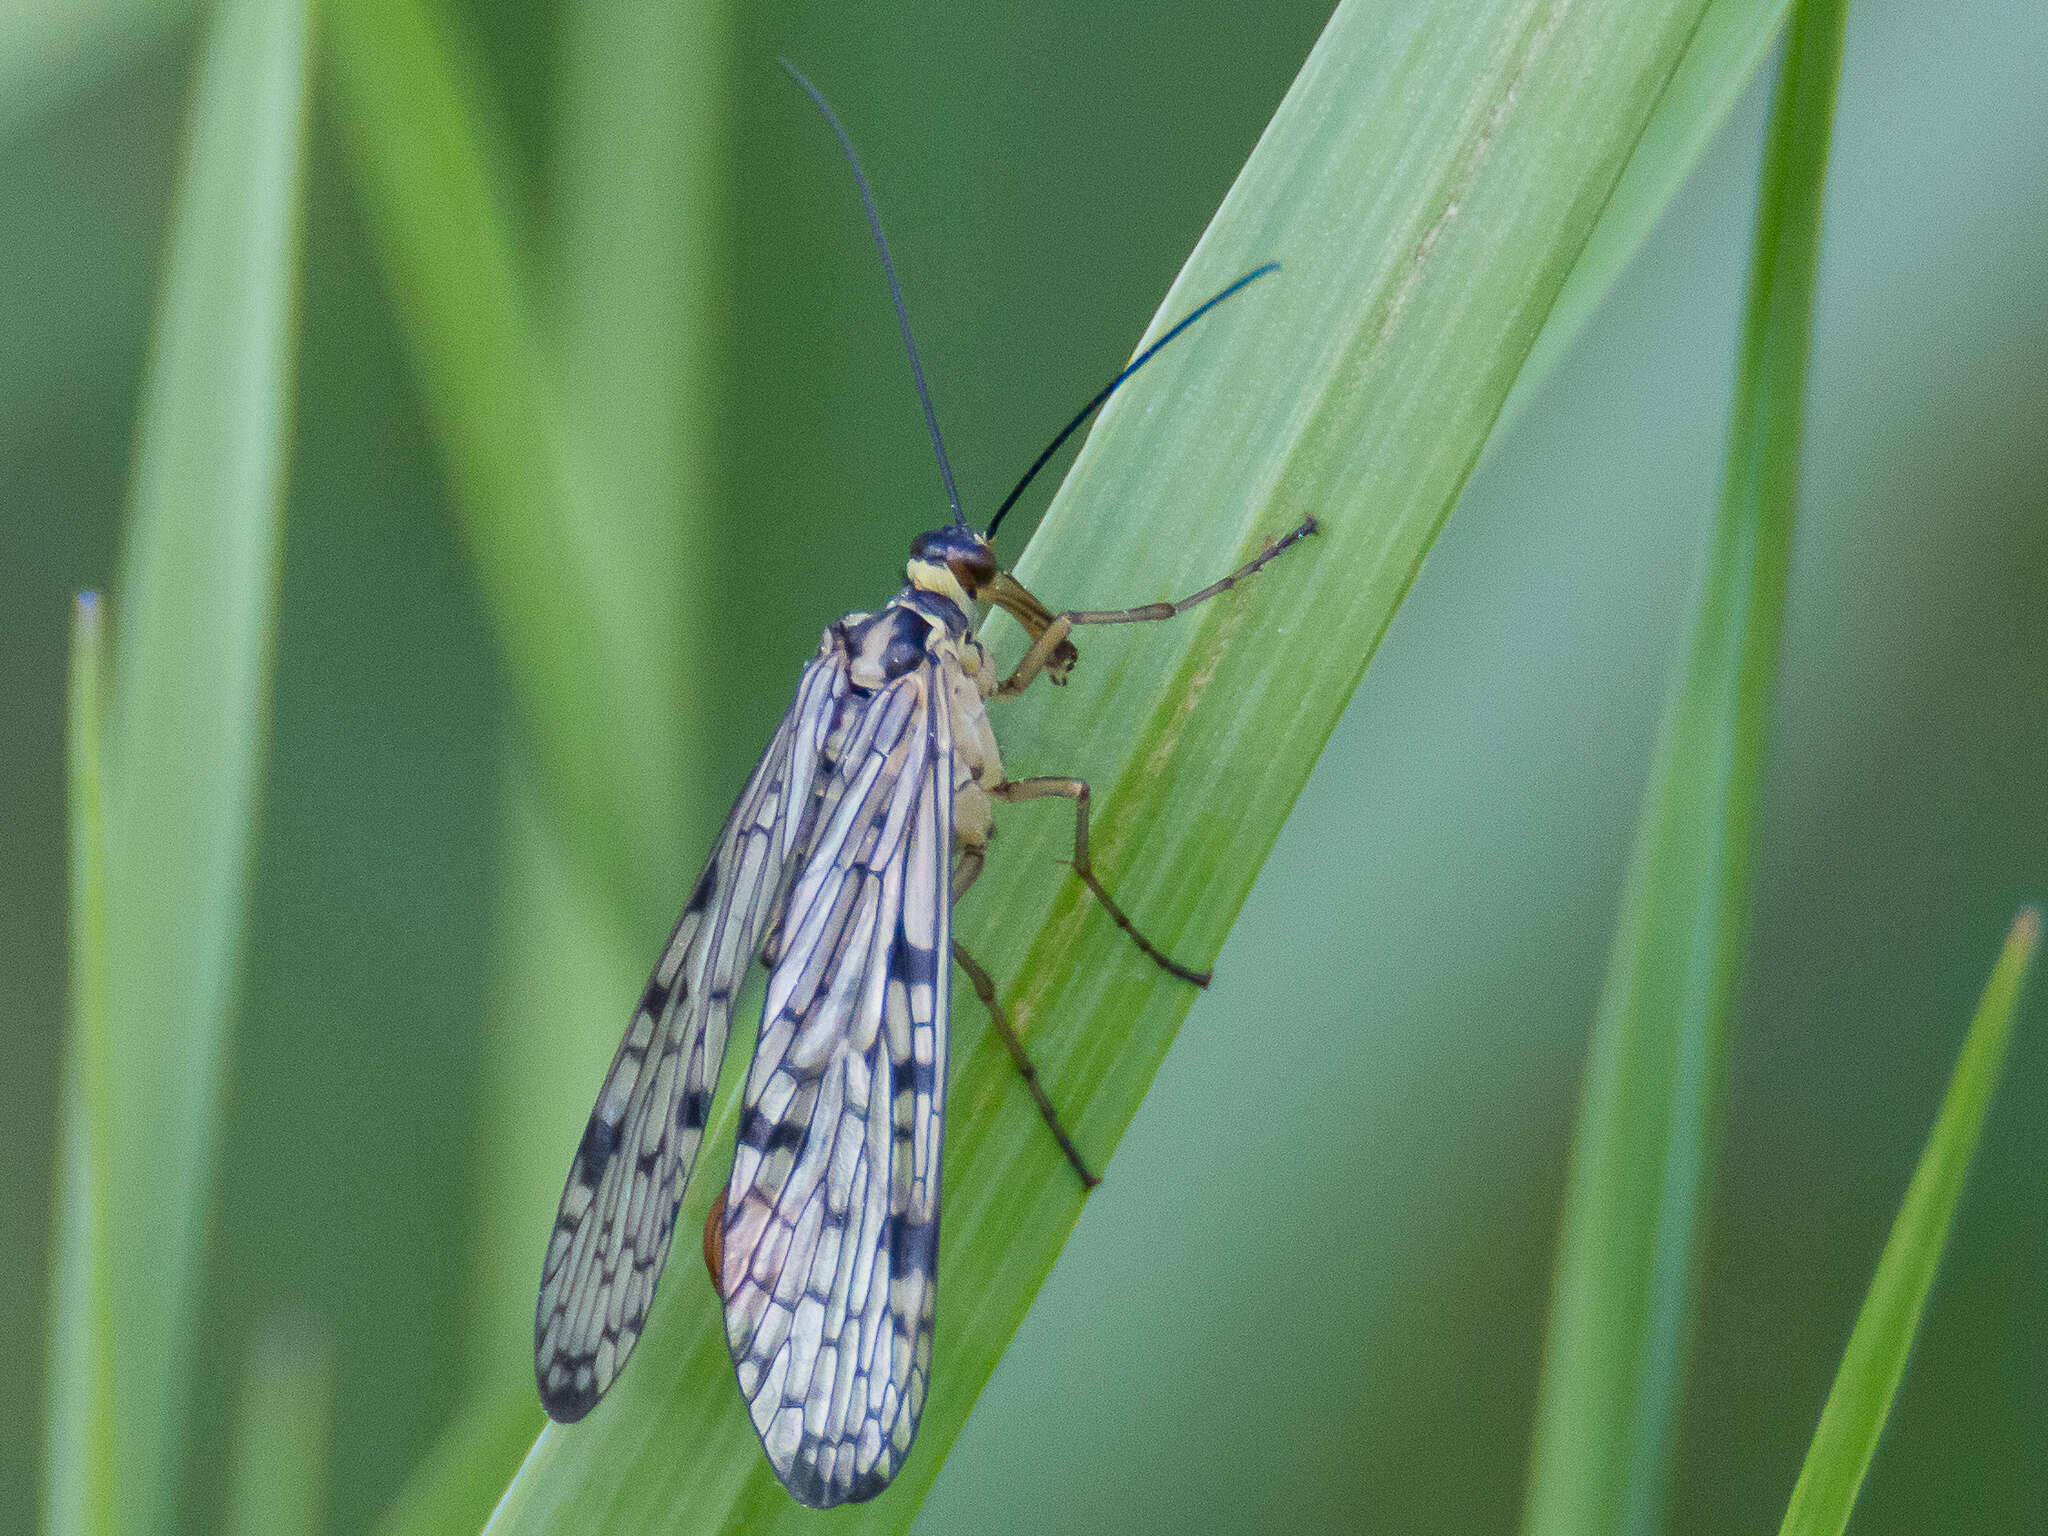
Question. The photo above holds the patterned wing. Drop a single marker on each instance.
(832, 1216)
(618, 1211)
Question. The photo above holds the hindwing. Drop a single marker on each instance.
(617, 1217)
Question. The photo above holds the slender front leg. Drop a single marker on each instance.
(1055, 633)
(1042, 649)
(1076, 790)
(985, 989)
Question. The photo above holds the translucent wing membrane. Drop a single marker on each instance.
(831, 1226)
(618, 1212)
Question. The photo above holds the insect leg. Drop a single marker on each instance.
(1055, 634)
(985, 989)
(1076, 790)
(968, 870)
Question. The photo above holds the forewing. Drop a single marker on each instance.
(832, 1215)
(617, 1218)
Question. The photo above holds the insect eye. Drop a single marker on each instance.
(973, 569)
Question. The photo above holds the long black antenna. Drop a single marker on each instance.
(1112, 386)
(867, 201)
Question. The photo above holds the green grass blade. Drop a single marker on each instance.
(1428, 182)
(80, 1468)
(278, 1484)
(1613, 1361)
(1861, 1398)
(639, 280)
(1726, 51)
(597, 672)
(185, 735)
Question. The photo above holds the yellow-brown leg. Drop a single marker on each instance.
(1043, 647)
(985, 989)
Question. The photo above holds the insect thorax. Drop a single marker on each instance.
(916, 625)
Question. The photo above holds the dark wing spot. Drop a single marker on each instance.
(807, 1485)
(655, 998)
(911, 963)
(693, 1110)
(600, 1141)
(567, 1397)
(765, 1135)
(866, 1488)
(913, 1246)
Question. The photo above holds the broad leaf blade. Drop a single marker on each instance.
(185, 736)
(1613, 1361)
(1861, 1398)
(1731, 42)
(1426, 185)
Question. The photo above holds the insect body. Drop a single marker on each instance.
(868, 816)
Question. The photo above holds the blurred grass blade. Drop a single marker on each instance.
(80, 1469)
(185, 734)
(452, 1491)
(1613, 1361)
(1427, 183)
(1861, 1398)
(591, 648)
(279, 1477)
(1725, 53)
(51, 50)
(639, 278)
(555, 994)
(640, 299)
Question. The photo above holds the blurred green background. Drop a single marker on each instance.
(1311, 1293)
